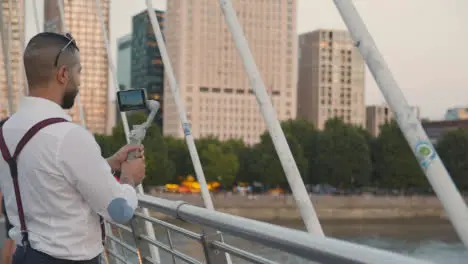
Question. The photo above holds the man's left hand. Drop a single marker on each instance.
(120, 156)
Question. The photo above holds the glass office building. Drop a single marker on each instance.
(124, 61)
(147, 69)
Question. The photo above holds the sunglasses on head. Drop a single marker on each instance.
(71, 41)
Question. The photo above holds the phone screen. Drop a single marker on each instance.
(131, 100)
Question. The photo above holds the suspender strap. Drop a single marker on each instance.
(103, 230)
(3, 121)
(13, 165)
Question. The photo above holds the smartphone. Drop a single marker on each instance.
(130, 100)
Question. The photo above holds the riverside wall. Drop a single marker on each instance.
(282, 208)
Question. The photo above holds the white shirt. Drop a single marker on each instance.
(64, 182)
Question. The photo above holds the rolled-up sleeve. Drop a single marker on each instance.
(84, 167)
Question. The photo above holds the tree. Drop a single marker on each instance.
(453, 150)
(395, 164)
(301, 130)
(343, 156)
(178, 153)
(305, 134)
(249, 168)
(366, 134)
(219, 165)
(234, 146)
(107, 144)
(268, 166)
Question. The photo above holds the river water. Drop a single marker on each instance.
(429, 239)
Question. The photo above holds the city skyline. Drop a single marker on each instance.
(408, 44)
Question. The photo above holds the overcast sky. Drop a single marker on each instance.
(425, 42)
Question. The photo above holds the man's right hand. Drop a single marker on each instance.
(133, 172)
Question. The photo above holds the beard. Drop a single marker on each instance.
(68, 99)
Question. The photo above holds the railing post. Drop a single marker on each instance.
(138, 226)
(212, 256)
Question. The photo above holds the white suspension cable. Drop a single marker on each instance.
(309, 216)
(148, 226)
(5, 28)
(22, 79)
(182, 112)
(36, 16)
(64, 30)
(181, 108)
(430, 162)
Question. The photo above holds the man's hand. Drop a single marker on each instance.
(133, 172)
(115, 162)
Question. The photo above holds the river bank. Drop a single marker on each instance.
(282, 208)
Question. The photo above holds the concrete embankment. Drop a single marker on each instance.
(269, 208)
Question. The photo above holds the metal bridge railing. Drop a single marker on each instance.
(309, 248)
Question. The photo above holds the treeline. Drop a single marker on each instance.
(342, 155)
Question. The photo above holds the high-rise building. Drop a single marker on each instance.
(124, 69)
(331, 78)
(124, 61)
(457, 113)
(378, 115)
(13, 19)
(435, 130)
(147, 69)
(213, 84)
(82, 22)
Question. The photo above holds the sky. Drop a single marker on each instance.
(424, 42)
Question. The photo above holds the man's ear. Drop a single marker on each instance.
(62, 74)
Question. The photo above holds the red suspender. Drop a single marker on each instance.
(12, 163)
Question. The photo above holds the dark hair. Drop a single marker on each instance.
(42, 53)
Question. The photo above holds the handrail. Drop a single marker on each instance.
(299, 243)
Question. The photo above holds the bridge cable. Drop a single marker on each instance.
(199, 173)
(36, 16)
(300, 194)
(148, 226)
(407, 120)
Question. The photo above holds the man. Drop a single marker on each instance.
(58, 185)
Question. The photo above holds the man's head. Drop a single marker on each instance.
(53, 68)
